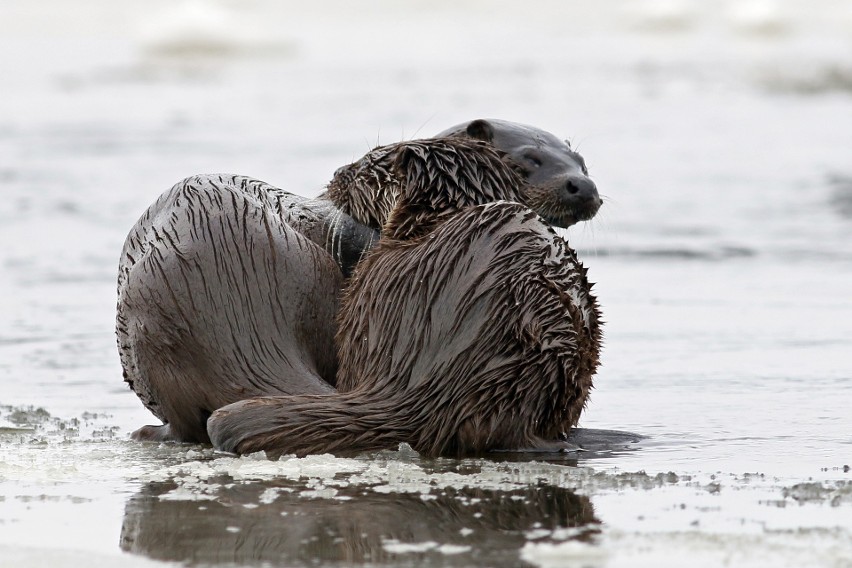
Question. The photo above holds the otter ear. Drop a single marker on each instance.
(407, 166)
(481, 129)
(403, 160)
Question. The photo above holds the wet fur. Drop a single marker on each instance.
(556, 182)
(222, 297)
(228, 287)
(469, 327)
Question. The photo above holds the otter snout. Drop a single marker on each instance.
(581, 187)
(581, 195)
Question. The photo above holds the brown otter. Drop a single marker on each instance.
(228, 287)
(470, 326)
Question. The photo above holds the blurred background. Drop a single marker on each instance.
(719, 133)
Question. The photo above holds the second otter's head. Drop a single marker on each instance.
(558, 186)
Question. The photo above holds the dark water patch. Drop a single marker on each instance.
(841, 194)
(193, 54)
(110, 139)
(793, 255)
(56, 277)
(591, 443)
(28, 417)
(18, 340)
(9, 175)
(64, 356)
(816, 80)
(140, 74)
(33, 425)
(834, 493)
(680, 253)
(62, 269)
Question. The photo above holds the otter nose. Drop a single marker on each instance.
(582, 187)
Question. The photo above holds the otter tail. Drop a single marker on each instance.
(308, 424)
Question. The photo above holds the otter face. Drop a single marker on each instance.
(559, 188)
(367, 189)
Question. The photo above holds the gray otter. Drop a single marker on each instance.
(557, 184)
(224, 294)
(227, 286)
(470, 326)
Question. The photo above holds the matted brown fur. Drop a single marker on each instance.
(228, 286)
(470, 327)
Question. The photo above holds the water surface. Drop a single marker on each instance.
(720, 135)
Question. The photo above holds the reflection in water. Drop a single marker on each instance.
(270, 522)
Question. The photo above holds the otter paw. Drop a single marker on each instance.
(151, 433)
(235, 428)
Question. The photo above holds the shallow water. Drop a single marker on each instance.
(720, 134)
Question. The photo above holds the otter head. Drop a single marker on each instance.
(442, 176)
(367, 189)
(558, 186)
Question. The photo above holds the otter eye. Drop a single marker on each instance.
(534, 160)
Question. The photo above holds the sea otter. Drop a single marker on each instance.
(228, 287)
(470, 327)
